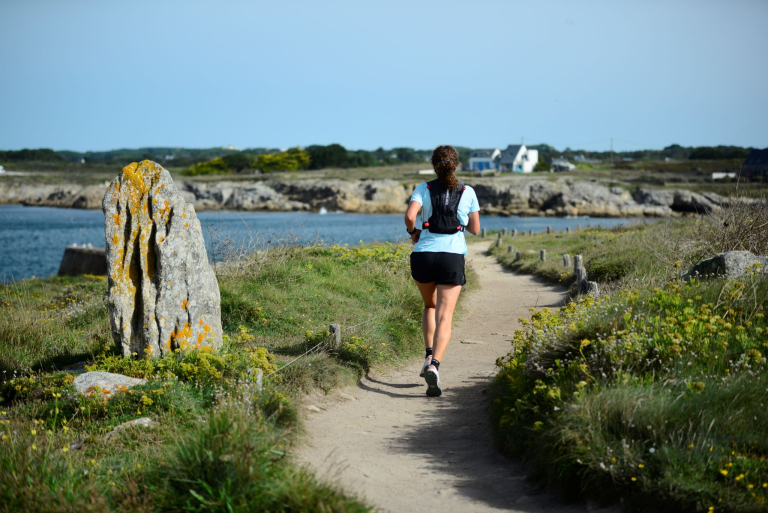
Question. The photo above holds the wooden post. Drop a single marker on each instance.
(504, 232)
(530, 233)
(566, 260)
(335, 330)
(509, 249)
(542, 255)
(518, 256)
(576, 264)
(568, 229)
(578, 226)
(482, 233)
(498, 241)
(581, 279)
(549, 230)
(514, 232)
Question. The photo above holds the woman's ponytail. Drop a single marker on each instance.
(445, 160)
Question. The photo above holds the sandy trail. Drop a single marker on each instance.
(402, 451)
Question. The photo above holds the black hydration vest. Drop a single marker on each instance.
(445, 208)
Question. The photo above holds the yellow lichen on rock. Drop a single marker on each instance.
(152, 264)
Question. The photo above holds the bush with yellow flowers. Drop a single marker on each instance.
(657, 395)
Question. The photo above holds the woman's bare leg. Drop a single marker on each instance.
(447, 296)
(429, 295)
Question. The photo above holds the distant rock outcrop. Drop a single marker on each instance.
(507, 195)
(163, 295)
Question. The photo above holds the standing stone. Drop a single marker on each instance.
(504, 232)
(514, 232)
(542, 255)
(163, 295)
(530, 233)
(549, 230)
(509, 249)
(518, 256)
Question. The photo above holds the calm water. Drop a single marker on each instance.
(32, 239)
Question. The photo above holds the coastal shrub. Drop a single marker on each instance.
(217, 166)
(653, 395)
(743, 225)
(204, 367)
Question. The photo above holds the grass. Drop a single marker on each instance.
(218, 443)
(652, 395)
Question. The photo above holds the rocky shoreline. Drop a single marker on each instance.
(509, 196)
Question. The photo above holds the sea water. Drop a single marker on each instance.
(33, 239)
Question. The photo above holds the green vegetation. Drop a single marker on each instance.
(218, 443)
(655, 393)
(291, 160)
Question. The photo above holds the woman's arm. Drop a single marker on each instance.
(473, 226)
(410, 220)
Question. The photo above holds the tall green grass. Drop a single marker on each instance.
(653, 395)
(218, 444)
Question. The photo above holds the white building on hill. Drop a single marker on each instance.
(518, 159)
(483, 159)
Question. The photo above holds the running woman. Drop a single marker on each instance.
(448, 208)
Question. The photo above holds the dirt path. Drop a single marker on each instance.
(402, 451)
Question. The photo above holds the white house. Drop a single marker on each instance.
(484, 159)
(518, 159)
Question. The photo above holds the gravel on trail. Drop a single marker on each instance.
(389, 443)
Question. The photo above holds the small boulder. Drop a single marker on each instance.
(731, 264)
(140, 422)
(105, 382)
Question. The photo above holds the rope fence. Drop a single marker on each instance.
(334, 338)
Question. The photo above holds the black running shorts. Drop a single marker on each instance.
(441, 268)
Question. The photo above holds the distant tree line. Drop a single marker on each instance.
(225, 160)
(674, 152)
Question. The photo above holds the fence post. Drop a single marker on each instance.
(498, 241)
(504, 231)
(335, 330)
(530, 233)
(549, 230)
(578, 226)
(581, 278)
(543, 255)
(568, 229)
(576, 264)
(518, 256)
(514, 232)
(482, 233)
(509, 249)
(566, 260)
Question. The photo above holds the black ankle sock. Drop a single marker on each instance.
(429, 352)
(436, 363)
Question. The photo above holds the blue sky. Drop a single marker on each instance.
(97, 75)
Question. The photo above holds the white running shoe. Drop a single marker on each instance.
(427, 363)
(434, 388)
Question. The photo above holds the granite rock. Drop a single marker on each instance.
(87, 382)
(731, 264)
(163, 295)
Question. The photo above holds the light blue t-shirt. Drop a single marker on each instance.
(443, 242)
